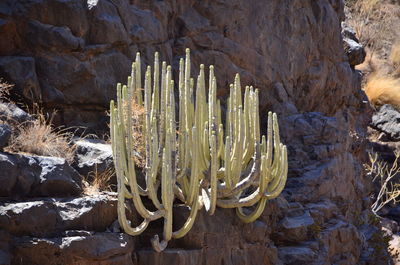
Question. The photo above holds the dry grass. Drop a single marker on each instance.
(373, 22)
(383, 90)
(395, 56)
(371, 62)
(97, 182)
(38, 137)
(4, 89)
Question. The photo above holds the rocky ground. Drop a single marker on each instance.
(384, 134)
(69, 54)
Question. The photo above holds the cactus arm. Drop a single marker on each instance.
(162, 107)
(157, 245)
(264, 178)
(213, 173)
(277, 164)
(271, 194)
(247, 178)
(122, 215)
(182, 120)
(253, 215)
(250, 200)
(228, 178)
(156, 86)
(189, 222)
(195, 168)
(138, 80)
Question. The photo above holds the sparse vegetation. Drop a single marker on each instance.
(138, 137)
(40, 138)
(98, 181)
(385, 175)
(4, 89)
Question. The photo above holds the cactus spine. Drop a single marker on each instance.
(202, 162)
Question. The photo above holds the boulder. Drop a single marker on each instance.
(92, 156)
(387, 120)
(354, 50)
(24, 175)
(57, 178)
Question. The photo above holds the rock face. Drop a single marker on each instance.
(71, 56)
(76, 51)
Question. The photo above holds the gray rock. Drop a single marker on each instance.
(92, 155)
(53, 38)
(5, 134)
(111, 249)
(11, 177)
(105, 18)
(387, 120)
(354, 50)
(349, 32)
(296, 255)
(295, 228)
(51, 217)
(23, 175)
(12, 114)
(57, 178)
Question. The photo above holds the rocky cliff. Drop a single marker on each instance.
(69, 54)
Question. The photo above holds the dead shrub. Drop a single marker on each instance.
(96, 182)
(383, 89)
(385, 175)
(138, 137)
(38, 137)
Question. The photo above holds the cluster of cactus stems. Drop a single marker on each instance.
(190, 155)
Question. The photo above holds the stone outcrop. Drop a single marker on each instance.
(387, 121)
(354, 50)
(23, 175)
(92, 156)
(74, 52)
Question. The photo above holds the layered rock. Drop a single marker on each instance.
(75, 52)
(71, 56)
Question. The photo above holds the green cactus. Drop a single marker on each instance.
(194, 163)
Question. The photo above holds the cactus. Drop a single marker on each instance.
(196, 160)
